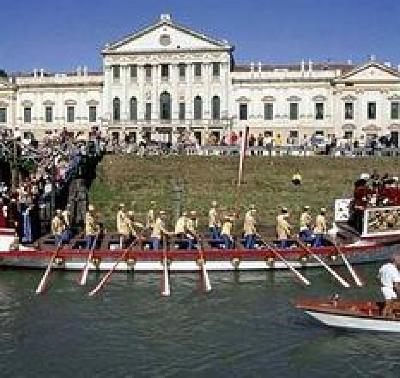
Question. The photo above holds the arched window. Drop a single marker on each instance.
(165, 106)
(216, 107)
(116, 109)
(133, 109)
(198, 108)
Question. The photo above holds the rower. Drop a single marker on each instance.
(57, 227)
(226, 232)
(129, 227)
(158, 231)
(283, 228)
(66, 216)
(180, 225)
(320, 228)
(249, 228)
(296, 178)
(213, 221)
(121, 224)
(91, 227)
(305, 233)
(191, 226)
(151, 215)
(389, 277)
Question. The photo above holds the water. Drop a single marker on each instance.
(245, 327)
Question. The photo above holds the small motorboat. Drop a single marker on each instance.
(355, 315)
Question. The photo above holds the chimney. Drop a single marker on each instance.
(310, 67)
(85, 70)
(398, 67)
(79, 71)
(349, 62)
(41, 72)
(259, 68)
(372, 58)
(388, 64)
(303, 65)
(35, 72)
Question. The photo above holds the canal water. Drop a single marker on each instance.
(246, 327)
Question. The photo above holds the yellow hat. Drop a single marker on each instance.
(162, 212)
(58, 211)
(284, 210)
(131, 212)
(121, 205)
(193, 212)
(252, 206)
(152, 202)
(214, 203)
(91, 207)
(306, 207)
(323, 210)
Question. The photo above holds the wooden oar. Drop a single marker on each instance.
(166, 289)
(111, 271)
(322, 262)
(206, 278)
(42, 284)
(85, 270)
(348, 265)
(290, 266)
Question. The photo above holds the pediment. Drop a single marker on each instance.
(319, 98)
(165, 35)
(371, 71)
(371, 128)
(268, 99)
(348, 127)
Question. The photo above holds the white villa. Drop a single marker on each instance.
(168, 78)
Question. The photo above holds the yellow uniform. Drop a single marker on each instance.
(57, 225)
(66, 214)
(213, 219)
(305, 221)
(282, 227)
(121, 220)
(249, 226)
(181, 225)
(227, 228)
(90, 224)
(320, 224)
(150, 219)
(158, 229)
(191, 227)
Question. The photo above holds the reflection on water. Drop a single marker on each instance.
(245, 327)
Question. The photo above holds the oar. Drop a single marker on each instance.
(290, 266)
(42, 284)
(348, 265)
(111, 271)
(85, 270)
(322, 262)
(206, 278)
(166, 289)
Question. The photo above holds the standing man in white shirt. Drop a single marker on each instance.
(389, 276)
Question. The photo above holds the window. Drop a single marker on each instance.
(133, 109)
(348, 135)
(319, 110)
(268, 111)
(27, 115)
(182, 71)
(3, 115)
(147, 70)
(293, 134)
(133, 71)
(216, 108)
(165, 106)
(70, 114)
(243, 112)
(48, 114)
(348, 110)
(198, 108)
(371, 110)
(147, 113)
(293, 111)
(395, 110)
(92, 113)
(116, 72)
(197, 70)
(216, 69)
(116, 109)
(164, 71)
(182, 111)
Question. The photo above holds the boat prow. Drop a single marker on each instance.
(351, 315)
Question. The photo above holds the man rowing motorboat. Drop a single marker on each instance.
(389, 276)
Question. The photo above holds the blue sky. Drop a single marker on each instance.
(59, 35)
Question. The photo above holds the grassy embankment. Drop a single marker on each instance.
(267, 183)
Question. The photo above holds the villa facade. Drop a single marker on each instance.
(167, 78)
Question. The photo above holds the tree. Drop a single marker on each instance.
(3, 73)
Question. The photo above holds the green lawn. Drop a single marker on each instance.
(267, 183)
